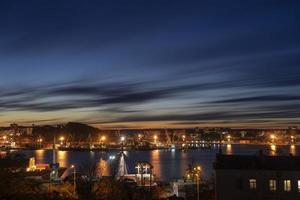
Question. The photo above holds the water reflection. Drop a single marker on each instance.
(228, 149)
(62, 158)
(167, 165)
(184, 161)
(155, 161)
(273, 150)
(293, 149)
(39, 155)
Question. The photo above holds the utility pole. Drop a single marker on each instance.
(74, 180)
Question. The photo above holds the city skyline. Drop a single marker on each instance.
(139, 64)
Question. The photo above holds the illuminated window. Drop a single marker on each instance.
(252, 184)
(298, 185)
(287, 185)
(272, 185)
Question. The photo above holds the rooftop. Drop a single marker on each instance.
(257, 162)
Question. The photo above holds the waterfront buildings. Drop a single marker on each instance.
(257, 177)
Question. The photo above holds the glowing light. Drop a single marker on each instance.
(103, 138)
(62, 158)
(272, 137)
(273, 149)
(155, 137)
(62, 138)
(228, 149)
(4, 137)
(228, 138)
(112, 157)
(122, 138)
(293, 149)
(72, 166)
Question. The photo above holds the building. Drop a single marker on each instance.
(184, 189)
(257, 177)
(33, 166)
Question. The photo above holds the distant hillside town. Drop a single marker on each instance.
(78, 135)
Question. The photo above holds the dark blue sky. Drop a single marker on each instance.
(155, 63)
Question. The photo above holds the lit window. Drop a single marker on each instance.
(287, 185)
(272, 185)
(252, 184)
(298, 185)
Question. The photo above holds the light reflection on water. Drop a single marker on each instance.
(228, 149)
(62, 158)
(273, 150)
(293, 149)
(40, 155)
(167, 164)
(155, 161)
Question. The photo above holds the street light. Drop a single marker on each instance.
(122, 140)
(198, 172)
(40, 140)
(139, 136)
(194, 174)
(292, 139)
(272, 138)
(112, 157)
(103, 138)
(74, 179)
(61, 139)
(228, 138)
(155, 139)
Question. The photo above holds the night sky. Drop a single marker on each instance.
(150, 63)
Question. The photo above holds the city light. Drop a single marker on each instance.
(122, 138)
(139, 136)
(292, 139)
(272, 137)
(62, 138)
(194, 174)
(103, 138)
(112, 157)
